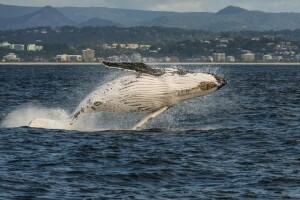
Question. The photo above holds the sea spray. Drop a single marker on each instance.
(24, 114)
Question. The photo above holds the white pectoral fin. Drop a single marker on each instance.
(149, 117)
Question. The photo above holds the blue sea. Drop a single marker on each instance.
(241, 142)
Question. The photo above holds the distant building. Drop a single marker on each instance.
(297, 57)
(17, 47)
(145, 46)
(61, 58)
(248, 57)
(167, 59)
(113, 59)
(10, 57)
(124, 58)
(210, 59)
(149, 59)
(5, 44)
(267, 58)
(88, 55)
(136, 57)
(230, 59)
(224, 40)
(219, 57)
(277, 58)
(33, 47)
(132, 46)
(68, 58)
(39, 48)
(74, 58)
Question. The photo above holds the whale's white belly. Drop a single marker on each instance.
(135, 93)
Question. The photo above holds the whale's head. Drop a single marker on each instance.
(198, 84)
(208, 82)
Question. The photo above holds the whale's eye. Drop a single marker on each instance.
(97, 103)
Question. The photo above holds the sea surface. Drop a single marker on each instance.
(241, 142)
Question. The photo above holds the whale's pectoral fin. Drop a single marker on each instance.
(149, 117)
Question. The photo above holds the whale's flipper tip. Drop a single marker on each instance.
(149, 117)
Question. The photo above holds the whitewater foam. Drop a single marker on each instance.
(23, 115)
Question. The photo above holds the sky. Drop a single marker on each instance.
(169, 5)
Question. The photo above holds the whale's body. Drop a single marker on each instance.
(146, 90)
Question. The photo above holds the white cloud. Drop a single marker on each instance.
(170, 5)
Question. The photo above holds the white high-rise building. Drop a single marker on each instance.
(31, 47)
(230, 59)
(248, 57)
(88, 55)
(17, 47)
(267, 58)
(219, 57)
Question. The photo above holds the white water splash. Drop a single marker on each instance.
(57, 118)
(23, 115)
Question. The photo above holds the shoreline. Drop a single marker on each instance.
(156, 63)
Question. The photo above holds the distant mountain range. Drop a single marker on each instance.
(228, 19)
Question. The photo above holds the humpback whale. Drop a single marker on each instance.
(145, 90)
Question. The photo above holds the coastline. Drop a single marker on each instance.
(156, 63)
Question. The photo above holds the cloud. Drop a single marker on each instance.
(169, 5)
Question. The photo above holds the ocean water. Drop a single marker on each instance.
(242, 142)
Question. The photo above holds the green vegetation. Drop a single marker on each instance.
(177, 42)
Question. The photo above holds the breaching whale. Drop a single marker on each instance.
(146, 90)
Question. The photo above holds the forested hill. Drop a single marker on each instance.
(87, 35)
(228, 19)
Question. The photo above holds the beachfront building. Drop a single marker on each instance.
(209, 59)
(297, 57)
(219, 57)
(132, 46)
(277, 58)
(88, 55)
(33, 47)
(17, 47)
(5, 44)
(10, 58)
(230, 59)
(267, 58)
(113, 59)
(68, 58)
(248, 57)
